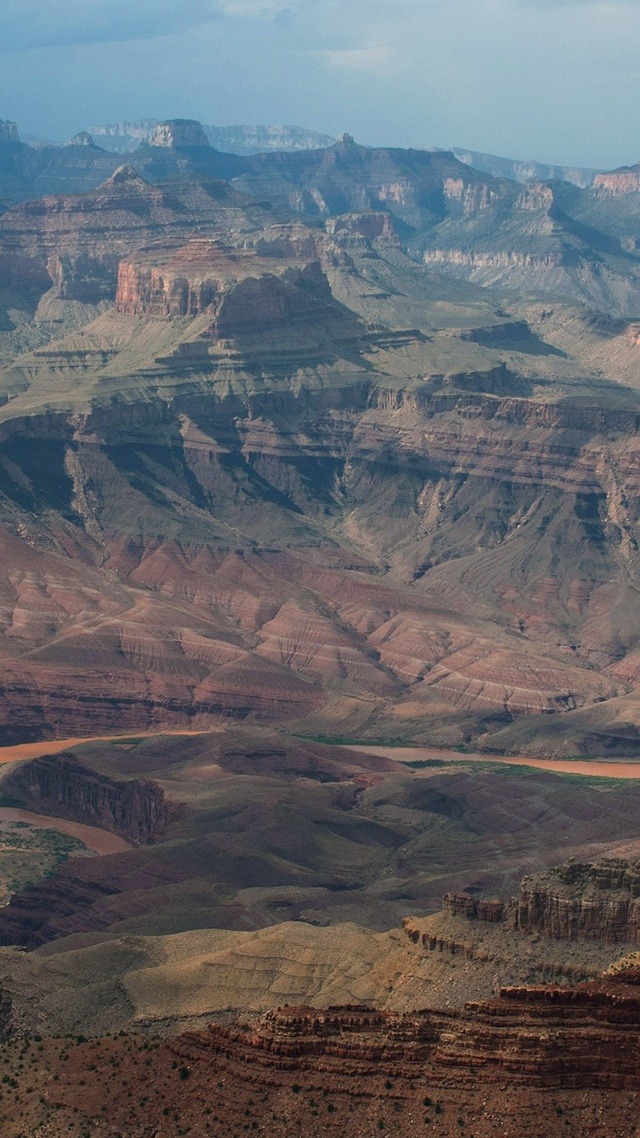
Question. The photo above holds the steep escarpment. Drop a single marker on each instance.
(240, 291)
(583, 901)
(626, 180)
(576, 901)
(61, 785)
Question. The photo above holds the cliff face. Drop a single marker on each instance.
(618, 182)
(553, 1037)
(179, 132)
(583, 901)
(71, 239)
(587, 1037)
(240, 291)
(61, 785)
(597, 901)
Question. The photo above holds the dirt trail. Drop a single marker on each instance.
(600, 767)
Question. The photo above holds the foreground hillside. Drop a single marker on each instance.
(350, 1068)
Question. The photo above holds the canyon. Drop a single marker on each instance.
(308, 457)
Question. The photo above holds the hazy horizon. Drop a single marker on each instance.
(551, 80)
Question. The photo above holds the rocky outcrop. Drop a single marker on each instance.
(62, 786)
(583, 901)
(618, 182)
(179, 132)
(83, 138)
(8, 132)
(587, 1037)
(552, 1037)
(598, 901)
(536, 196)
(242, 292)
(463, 904)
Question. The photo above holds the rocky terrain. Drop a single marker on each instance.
(278, 386)
(299, 449)
(264, 870)
(525, 171)
(349, 1066)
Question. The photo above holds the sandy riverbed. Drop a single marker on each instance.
(100, 841)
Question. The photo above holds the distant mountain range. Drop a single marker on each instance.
(124, 137)
(525, 171)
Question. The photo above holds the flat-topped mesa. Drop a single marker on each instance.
(242, 291)
(179, 133)
(8, 132)
(583, 901)
(626, 180)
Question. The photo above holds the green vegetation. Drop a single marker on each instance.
(29, 854)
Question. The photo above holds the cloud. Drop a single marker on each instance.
(28, 24)
(375, 59)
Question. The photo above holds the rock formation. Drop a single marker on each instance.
(623, 181)
(588, 1037)
(8, 132)
(60, 785)
(583, 901)
(124, 137)
(484, 1070)
(82, 139)
(241, 292)
(179, 132)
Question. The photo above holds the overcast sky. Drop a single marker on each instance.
(555, 80)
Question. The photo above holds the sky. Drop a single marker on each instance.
(554, 80)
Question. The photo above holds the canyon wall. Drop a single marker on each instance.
(583, 901)
(597, 901)
(60, 785)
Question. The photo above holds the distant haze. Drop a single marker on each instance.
(552, 80)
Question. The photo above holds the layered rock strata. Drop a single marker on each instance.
(179, 132)
(241, 291)
(597, 901)
(583, 901)
(553, 1037)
